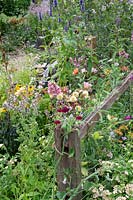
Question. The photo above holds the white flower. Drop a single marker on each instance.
(121, 198)
(103, 8)
(93, 11)
(129, 189)
(116, 64)
(64, 181)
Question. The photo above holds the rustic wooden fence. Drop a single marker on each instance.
(69, 167)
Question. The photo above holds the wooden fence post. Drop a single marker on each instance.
(68, 161)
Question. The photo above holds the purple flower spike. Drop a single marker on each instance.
(40, 16)
(55, 3)
(50, 11)
(128, 117)
(66, 28)
(82, 5)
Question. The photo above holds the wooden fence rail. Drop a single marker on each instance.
(69, 167)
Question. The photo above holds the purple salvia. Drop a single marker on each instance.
(69, 23)
(50, 11)
(82, 5)
(55, 3)
(59, 19)
(118, 21)
(40, 16)
(66, 28)
(82, 8)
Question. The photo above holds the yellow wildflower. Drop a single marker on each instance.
(107, 72)
(30, 88)
(123, 127)
(85, 94)
(130, 134)
(78, 108)
(3, 110)
(17, 87)
(72, 99)
(22, 90)
(76, 94)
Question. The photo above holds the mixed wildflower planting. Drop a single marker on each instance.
(82, 50)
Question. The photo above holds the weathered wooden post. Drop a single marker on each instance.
(68, 161)
(91, 41)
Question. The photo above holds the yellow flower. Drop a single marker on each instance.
(60, 96)
(78, 108)
(3, 110)
(130, 134)
(22, 90)
(72, 99)
(17, 87)
(30, 88)
(85, 94)
(76, 94)
(107, 72)
(123, 127)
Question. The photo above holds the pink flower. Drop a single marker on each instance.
(88, 86)
(128, 117)
(123, 54)
(94, 70)
(53, 89)
(76, 62)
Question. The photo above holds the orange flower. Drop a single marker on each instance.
(75, 71)
(124, 69)
(117, 131)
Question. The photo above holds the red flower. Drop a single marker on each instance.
(59, 110)
(57, 122)
(79, 117)
(65, 109)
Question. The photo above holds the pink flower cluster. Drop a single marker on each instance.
(76, 62)
(53, 89)
(123, 54)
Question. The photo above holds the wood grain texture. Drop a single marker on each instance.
(68, 167)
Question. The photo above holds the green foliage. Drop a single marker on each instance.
(11, 7)
(62, 38)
